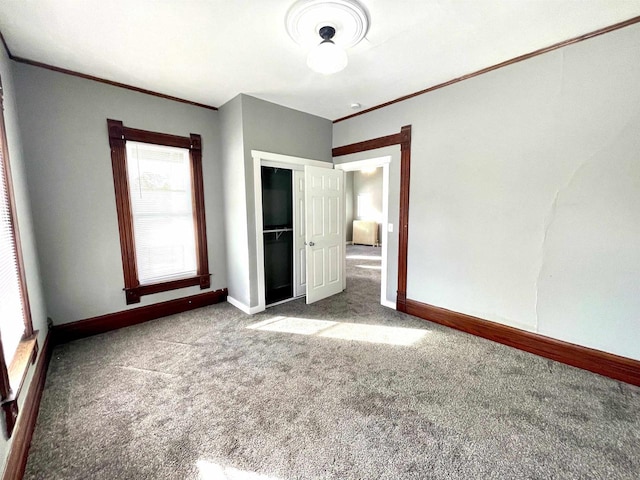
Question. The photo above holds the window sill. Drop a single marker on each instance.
(25, 356)
(133, 294)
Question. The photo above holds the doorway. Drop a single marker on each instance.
(321, 218)
(382, 229)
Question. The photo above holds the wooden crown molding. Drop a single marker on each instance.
(73, 73)
(607, 364)
(511, 61)
(108, 82)
(506, 63)
(6, 47)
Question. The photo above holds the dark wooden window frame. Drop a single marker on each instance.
(404, 140)
(15, 373)
(118, 136)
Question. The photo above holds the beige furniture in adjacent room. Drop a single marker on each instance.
(365, 232)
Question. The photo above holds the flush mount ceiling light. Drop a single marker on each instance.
(327, 28)
(327, 57)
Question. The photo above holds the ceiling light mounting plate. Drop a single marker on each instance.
(306, 18)
(327, 32)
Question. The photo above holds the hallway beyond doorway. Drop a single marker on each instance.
(363, 272)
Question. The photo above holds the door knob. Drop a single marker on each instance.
(311, 244)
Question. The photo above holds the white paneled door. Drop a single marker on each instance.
(299, 248)
(324, 232)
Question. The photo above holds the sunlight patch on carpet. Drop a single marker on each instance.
(364, 257)
(341, 330)
(370, 267)
(300, 326)
(213, 471)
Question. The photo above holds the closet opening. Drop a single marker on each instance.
(277, 229)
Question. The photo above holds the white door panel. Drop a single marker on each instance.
(324, 199)
(334, 259)
(317, 268)
(300, 253)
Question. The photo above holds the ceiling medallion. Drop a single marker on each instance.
(327, 28)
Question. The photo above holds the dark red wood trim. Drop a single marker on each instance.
(506, 63)
(17, 458)
(6, 47)
(372, 144)
(607, 364)
(66, 71)
(5, 387)
(26, 305)
(403, 234)
(145, 136)
(24, 358)
(10, 413)
(118, 135)
(5, 384)
(151, 288)
(199, 220)
(404, 140)
(123, 207)
(112, 321)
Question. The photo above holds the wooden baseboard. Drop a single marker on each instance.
(112, 321)
(620, 368)
(23, 432)
(17, 458)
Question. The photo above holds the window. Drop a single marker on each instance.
(364, 207)
(160, 202)
(18, 347)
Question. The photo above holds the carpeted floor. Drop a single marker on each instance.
(342, 389)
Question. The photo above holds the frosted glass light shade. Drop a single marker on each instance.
(327, 58)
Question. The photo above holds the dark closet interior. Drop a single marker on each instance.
(277, 224)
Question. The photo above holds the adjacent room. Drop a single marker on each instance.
(319, 239)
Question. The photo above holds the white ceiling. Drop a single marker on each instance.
(208, 51)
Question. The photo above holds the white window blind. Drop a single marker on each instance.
(161, 204)
(11, 306)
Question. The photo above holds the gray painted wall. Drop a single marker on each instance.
(348, 201)
(25, 224)
(271, 128)
(277, 129)
(369, 183)
(235, 200)
(68, 166)
(525, 187)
